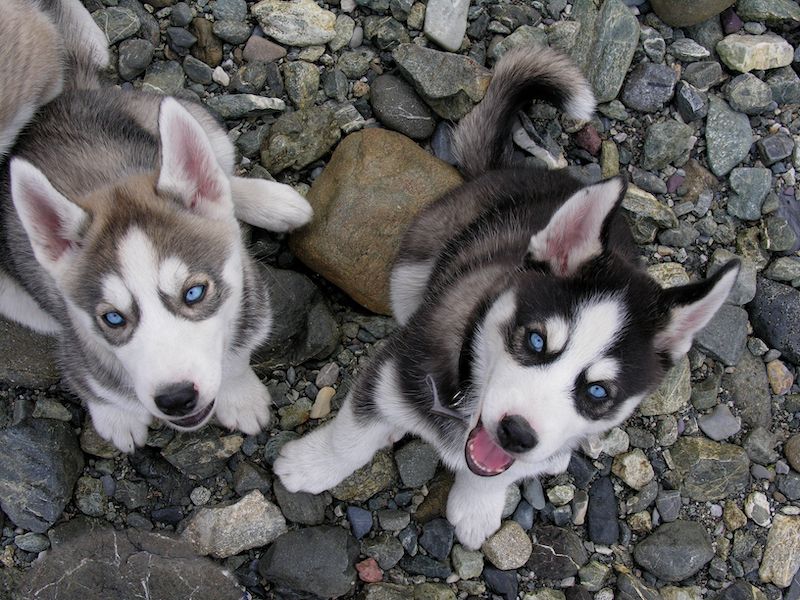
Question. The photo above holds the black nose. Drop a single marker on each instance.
(177, 399)
(515, 435)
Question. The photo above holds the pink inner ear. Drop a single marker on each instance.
(198, 167)
(567, 237)
(49, 226)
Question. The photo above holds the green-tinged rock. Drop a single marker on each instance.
(367, 481)
(710, 470)
(451, 84)
(680, 13)
(745, 53)
(374, 184)
(675, 550)
(667, 142)
(299, 138)
(771, 11)
(239, 106)
(673, 393)
(523, 37)
(612, 52)
(751, 184)
(728, 137)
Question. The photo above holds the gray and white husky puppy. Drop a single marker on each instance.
(119, 234)
(526, 323)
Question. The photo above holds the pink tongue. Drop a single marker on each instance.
(488, 454)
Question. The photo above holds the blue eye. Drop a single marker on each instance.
(114, 319)
(536, 341)
(194, 294)
(598, 392)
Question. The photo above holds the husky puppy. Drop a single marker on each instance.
(526, 323)
(118, 234)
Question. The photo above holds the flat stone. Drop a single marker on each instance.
(602, 514)
(165, 77)
(745, 53)
(297, 23)
(446, 22)
(687, 50)
(41, 466)
(751, 184)
(725, 336)
(774, 148)
(785, 86)
(692, 104)
(775, 315)
(117, 23)
(633, 468)
(782, 553)
(416, 463)
(301, 507)
(251, 522)
(704, 74)
(260, 49)
(437, 538)
(386, 549)
(666, 142)
(709, 470)
(319, 560)
(509, 547)
(525, 36)
(451, 84)
(157, 565)
(675, 550)
(649, 87)
(728, 137)
(367, 481)
(748, 94)
(468, 564)
(719, 424)
(238, 106)
(232, 32)
(770, 11)
(617, 36)
(202, 453)
(673, 393)
(399, 107)
(208, 47)
(668, 503)
(680, 13)
(374, 184)
(749, 390)
(134, 56)
(633, 588)
(386, 33)
(299, 138)
(557, 553)
(783, 268)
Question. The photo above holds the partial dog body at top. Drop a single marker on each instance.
(119, 234)
(527, 323)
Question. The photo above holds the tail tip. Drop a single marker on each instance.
(581, 104)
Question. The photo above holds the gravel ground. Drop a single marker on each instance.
(697, 495)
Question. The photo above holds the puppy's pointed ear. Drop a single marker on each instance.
(690, 308)
(189, 168)
(55, 225)
(577, 231)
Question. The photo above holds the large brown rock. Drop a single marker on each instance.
(681, 13)
(374, 184)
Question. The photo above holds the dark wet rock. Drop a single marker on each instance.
(557, 553)
(416, 463)
(197, 70)
(751, 184)
(233, 32)
(360, 521)
(774, 148)
(775, 314)
(692, 104)
(42, 461)
(704, 74)
(399, 107)
(318, 560)
(785, 85)
(180, 40)
(709, 470)
(668, 503)
(165, 77)
(203, 453)
(649, 87)
(666, 142)
(725, 336)
(437, 538)
(425, 565)
(675, 550)
(502, 583)
(601, 517)
(117, 23)
(301, 507)
(134, 56)
(131, 562)
(306, 328)
(748, 94)
(749, 390)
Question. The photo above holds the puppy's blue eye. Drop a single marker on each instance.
(597, 392)
(536, 341)
(194, 294)
(114, 319)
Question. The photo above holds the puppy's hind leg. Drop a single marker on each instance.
(323, 458)
(268, 204)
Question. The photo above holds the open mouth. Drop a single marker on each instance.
(484, 456)
(195, 419)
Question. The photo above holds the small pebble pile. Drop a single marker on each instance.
(351, 101)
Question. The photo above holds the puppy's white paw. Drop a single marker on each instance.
(305, 465)
(474, 520)
(124, 429)
(289, 210)
(243, 403)
(270, 205)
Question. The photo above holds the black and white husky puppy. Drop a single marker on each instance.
(119, 234)
(527, 323)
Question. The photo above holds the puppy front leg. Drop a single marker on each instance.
(124, 428)
(323, 458)
(242, 400)
(475, 506)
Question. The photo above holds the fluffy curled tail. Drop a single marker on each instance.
(46, 47)
(482, 140)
